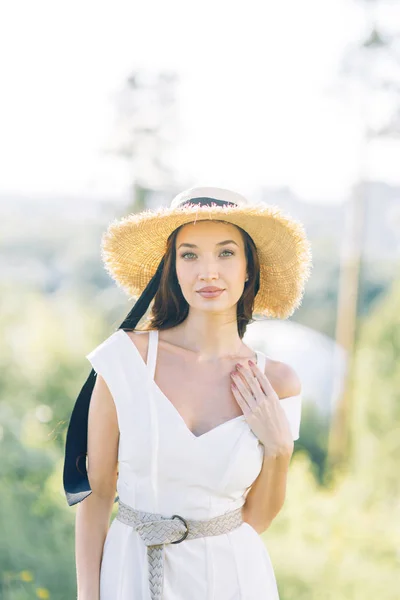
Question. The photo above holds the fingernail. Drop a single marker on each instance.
(251, 363)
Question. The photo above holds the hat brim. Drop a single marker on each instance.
(133, 246)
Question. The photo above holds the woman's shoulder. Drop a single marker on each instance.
(289, 382)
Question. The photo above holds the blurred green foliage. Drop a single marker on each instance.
(341, 540)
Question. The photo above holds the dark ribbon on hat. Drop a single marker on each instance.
(204, 201)
(75, 477)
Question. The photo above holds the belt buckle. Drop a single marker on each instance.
(186, 532)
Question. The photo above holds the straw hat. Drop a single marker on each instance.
(133, 246)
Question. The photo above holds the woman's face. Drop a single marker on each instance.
(204, 257)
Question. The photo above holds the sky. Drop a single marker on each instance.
(260, 99)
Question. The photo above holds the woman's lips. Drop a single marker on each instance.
(211, 294)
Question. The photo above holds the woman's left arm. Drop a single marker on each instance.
(261, 406)
(267, 494)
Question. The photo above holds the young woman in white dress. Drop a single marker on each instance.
(180, 416)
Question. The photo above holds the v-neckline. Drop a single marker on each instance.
(173, 408)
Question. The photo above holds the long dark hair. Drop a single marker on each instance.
(169, 308)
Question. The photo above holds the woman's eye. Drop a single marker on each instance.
(185, 254)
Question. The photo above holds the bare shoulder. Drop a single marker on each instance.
(283, 377)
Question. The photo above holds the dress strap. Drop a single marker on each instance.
(261, 360)
(152, 351)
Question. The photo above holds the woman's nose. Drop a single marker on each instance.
(209, 276)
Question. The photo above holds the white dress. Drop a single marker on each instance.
(165, 468)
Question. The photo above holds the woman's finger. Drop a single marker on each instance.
(240, 400)
(253, 383)
(263, 380)
(245, 391)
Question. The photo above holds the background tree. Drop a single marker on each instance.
(146, 132)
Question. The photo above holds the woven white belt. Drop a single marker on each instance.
(157, 530)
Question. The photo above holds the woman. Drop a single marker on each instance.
(194, 428)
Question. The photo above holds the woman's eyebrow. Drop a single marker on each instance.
(217, 244)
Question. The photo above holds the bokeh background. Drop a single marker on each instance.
(110, 107)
